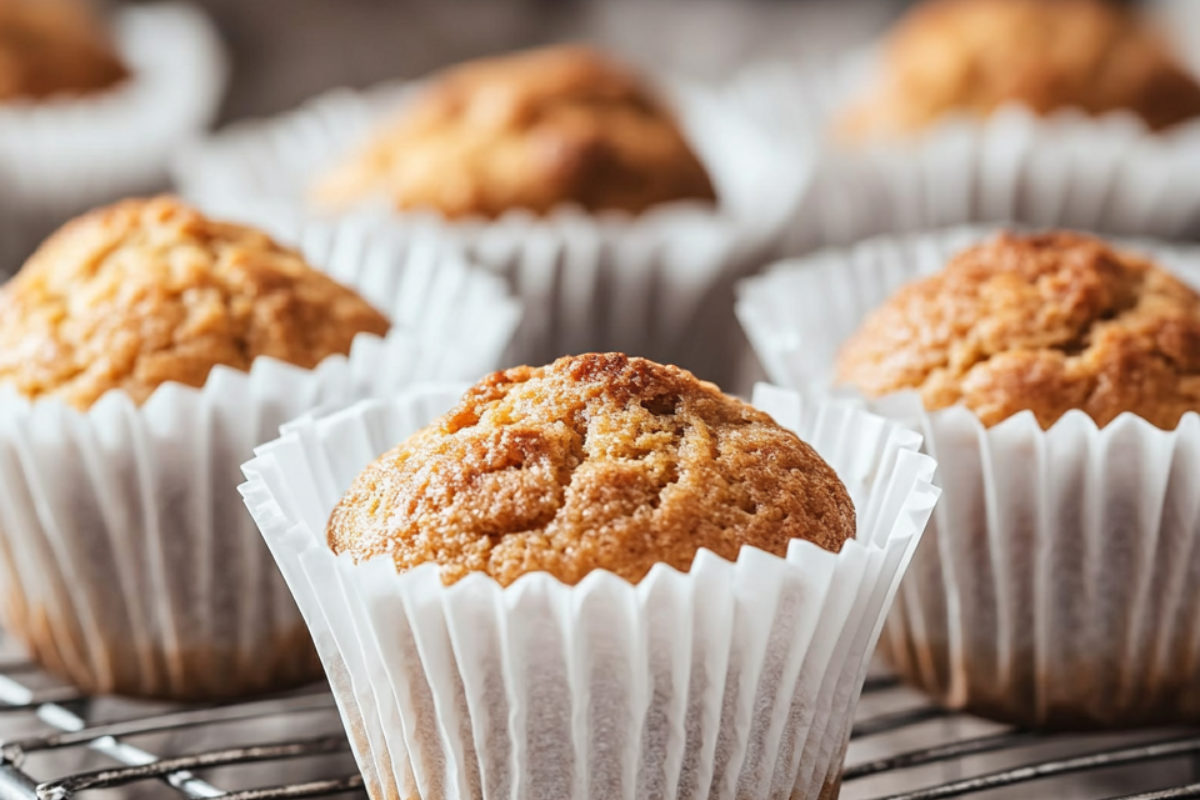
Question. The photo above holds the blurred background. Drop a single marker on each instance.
(285, 51)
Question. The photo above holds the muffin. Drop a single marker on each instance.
(595, 462)
(149, 291)
(1043, 323)
(536, 130)
(1053, 375)
(144, 350)
(975, 56)
(53, 47)
(540, 166)
(600, 578)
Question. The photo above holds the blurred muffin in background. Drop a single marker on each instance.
(52, 47)
(535, 130)
(975, 56)
(1046, 323)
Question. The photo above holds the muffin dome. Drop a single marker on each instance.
(149, 291)
(595, 462)
(973, 56)
(50, 47)
(534, 131)
(1045, 323)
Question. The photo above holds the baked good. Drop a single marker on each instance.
(149, 291)
(1051, 590)
(598, 461)
(974, 56)
(50, 47)
(518, 682)
(534, 131)
(1046, 323)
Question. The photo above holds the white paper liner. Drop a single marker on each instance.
(1058, 584)
(129, 563)
(1107, 173)
(732, 680)
(657, 285)
(63, 156)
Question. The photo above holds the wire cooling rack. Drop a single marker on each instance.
(58, 744)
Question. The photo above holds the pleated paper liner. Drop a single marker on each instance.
(129, 563)
(731, 680)
(1057, 585)
(63, 156)
(658, 285)
(1108, 173)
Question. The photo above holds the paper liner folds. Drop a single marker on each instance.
(129, 563)
(63, 156)
(1058, 584)
(732, 680)
(657, 285)
(1108, 173)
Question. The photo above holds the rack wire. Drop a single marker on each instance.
(902, 749)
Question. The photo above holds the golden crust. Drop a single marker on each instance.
(1045, 323)
(149, 291)
(50, 47)
(974, 56)
(534, 130)
(595, 462)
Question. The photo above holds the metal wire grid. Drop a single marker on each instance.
(65, 714)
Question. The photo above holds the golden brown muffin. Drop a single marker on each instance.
(974, 56)
(535, 130)
(597, 461)
(149, 291)
(50, 47)
(1045, 323)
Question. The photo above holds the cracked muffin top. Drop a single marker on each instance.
(149, 291)
(50, 47)
(1045, 323)
(974, 56)
(598, 461)
(535, 131)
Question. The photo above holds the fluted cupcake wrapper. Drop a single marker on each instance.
(62, 156)
(657, 285)
(731, 680)
(1057, 586)
(128, 561)
(1108, 173)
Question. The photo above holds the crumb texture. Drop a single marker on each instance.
(148, 291)
(595, 462)
(534, 130)
(1045, 323)
(974, 56)
(52, 47)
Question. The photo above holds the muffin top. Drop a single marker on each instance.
(598, 461)
(534, 130)
(50, 47)
(148, 291)
(1044, 323)
(973, 56)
